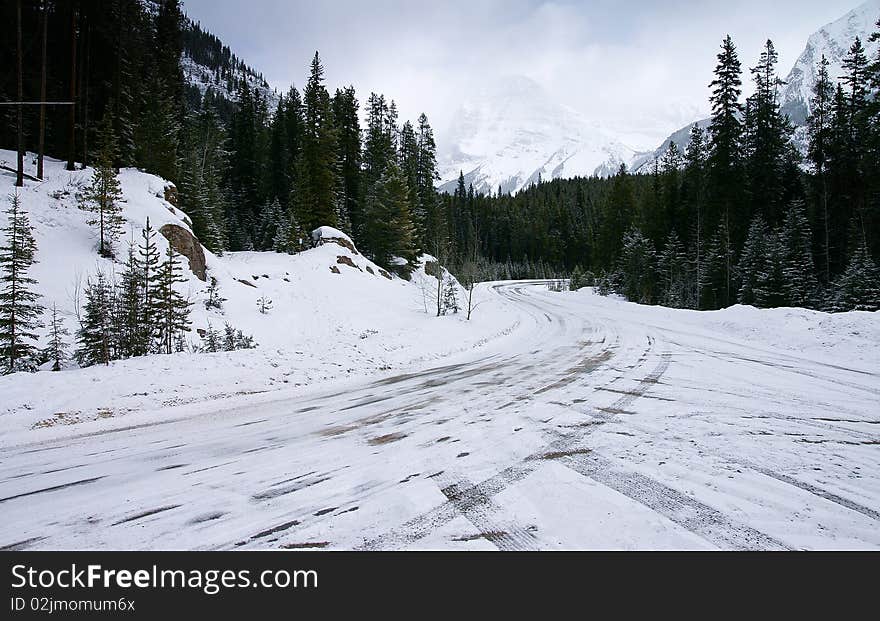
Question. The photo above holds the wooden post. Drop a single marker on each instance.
(42, 141)
(19, 178)
(71, 130)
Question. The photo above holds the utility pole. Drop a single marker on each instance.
(19, 178)
(42, 94)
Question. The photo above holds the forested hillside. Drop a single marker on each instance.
(737, 218)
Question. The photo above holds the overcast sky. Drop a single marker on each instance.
(641, 67)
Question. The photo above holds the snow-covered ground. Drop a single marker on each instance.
(552, 420)
(596, 424)
(323, 325)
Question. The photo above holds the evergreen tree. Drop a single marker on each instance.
(859, 286)
(694, 199)
(95, 337)
(213, 341)
(345, 115)
(725, 132)
(103, 196)
(819, 137)
(171, 309)
(56, 349)
(717, 287)
(426, 214)
(766, 141)
(798, 270)
(148, 266)
(672, 263)
(130, 327)
(637, 268)
(753, 261)
(450, 297)
(19, 310)
(318, 167)
(201, 192)
(390, 231)
(214, 300)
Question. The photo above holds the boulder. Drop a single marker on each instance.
(186, 244)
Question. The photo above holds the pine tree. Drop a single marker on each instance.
(56, 349)
(725, 132)
(753, 261)
(766, 141)
(348, 129)
(637, 268)
(213, 343)
(19, 310)
(171, 308)
(858, 288)
(214, 300)
(390, 232)
(672, 263)
(318, 170)
(103, 196)
(694, 199)
(426, 214)
(264, 305)
(229, 342)
(148, 266)
(770, 286)
(798, 270)
(450, 297)
(203, 163)
(819, 137)
(95, 337)
(130, 327)
(717, 286)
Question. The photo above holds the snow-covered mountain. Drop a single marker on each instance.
(511, 133)
(833, 41)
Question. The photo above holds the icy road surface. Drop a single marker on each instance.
(590, 428)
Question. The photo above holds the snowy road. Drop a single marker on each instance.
(593, 426)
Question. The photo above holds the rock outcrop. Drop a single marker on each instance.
(186, 244)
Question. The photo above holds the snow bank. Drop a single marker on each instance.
(335, 315)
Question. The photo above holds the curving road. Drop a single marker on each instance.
(594, 426)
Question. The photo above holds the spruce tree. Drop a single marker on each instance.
(95, 337)
(318, 171)
(798, 270)
(56, 349)
(766, 141)
(427, 217)
(637, 268)
(753, 261)
(103, 196)
(672, 263)
(148, 266)
(725, 132)
(858, 288)
(390, 232)
(819, 137)
(717, 291)
(348, 130)
(19, 310)
(171, 309)
(130, 326)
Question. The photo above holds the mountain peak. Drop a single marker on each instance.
(510, 133)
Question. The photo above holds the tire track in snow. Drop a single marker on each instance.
(687, 512)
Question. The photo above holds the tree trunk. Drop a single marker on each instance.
(42, 141)
(71, 130)
(84, 89)
(19, 178)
